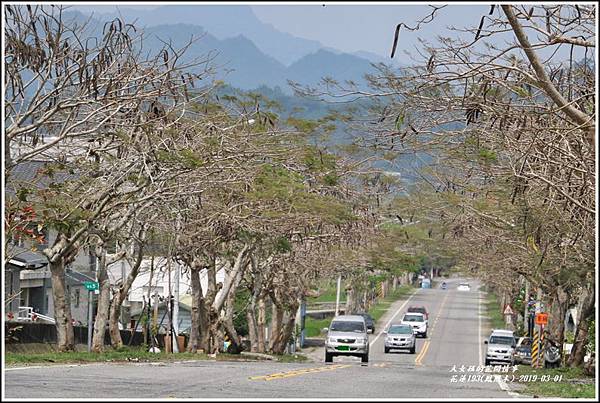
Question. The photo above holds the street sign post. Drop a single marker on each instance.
(541, 319)
(91, 285)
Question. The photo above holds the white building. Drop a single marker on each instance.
(163, 277)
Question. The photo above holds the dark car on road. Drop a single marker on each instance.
(418, 309)
(523, 351)
(369, 322)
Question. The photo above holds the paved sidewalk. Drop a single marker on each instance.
(317, 353)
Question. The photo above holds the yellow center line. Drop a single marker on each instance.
(280, 375)
(421, 355)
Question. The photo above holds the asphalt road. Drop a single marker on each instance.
(455, 338)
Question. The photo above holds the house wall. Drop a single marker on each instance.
(160, 279)
(78, 312)
(12, 281)
(184, 319)
(43, 302)
(82, 262)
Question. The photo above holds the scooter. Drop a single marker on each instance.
(552, 356)
(444, 285)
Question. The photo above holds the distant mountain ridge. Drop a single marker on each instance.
(242, 64)
(224, 21)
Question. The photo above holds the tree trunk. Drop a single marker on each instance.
(208, 316)
(121, 294)
(195, 314)
(276, 325)
(581, 334)
(260, 323)
(286, 329)
(103, 303)
(62, 307)
(228, 327)
(212, 336)
(113, 320)
(252, 328)
(203, 326)
(229, 300)
(556, 322)
(349, 300)
(285, 334)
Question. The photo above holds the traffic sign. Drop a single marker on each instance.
(541, 318)
(91, 285)
(508, 310)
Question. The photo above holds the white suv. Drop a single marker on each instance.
(347, 335)
(417, 321)
(500, 347)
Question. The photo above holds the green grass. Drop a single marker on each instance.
(328, 295)
(560, 389)
(124, 355)
(381, 307)
(312, 327)
(493, 310)
(566, 387)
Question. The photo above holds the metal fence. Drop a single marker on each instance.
(46, 333)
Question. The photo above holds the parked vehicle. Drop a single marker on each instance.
(417, 321)
(418, 309)
(500, 347)
(400, 336)
(523, 350)
(347, 335)
(464, 287)
(369, 322)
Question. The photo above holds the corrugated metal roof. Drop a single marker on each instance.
(28, 173)
(26, 258)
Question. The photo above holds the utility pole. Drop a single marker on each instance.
(337, 296)
(526, 303)
(91, 307)
(154, 317)
(89, 321)
(176, 309)
(169, 305)
(176, 291)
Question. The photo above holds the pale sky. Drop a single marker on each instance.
(349, 27)
(369, 27)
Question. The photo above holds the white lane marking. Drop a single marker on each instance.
(392, 318)
(46, 366)
(499, 379)
(505, 387)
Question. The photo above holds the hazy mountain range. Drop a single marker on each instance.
(248, 52)
(251, 55)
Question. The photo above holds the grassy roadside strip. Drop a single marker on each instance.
(557, 382)
(313, 327)
(560, 382)
(129, 355)
(381, 307)
(494, 312)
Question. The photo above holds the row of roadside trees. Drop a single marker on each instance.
(504, 110)
(141, 153)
